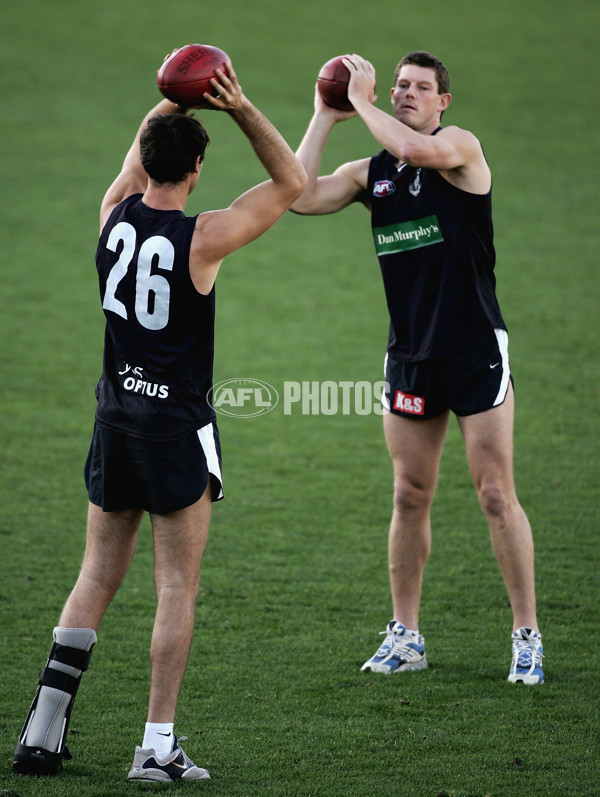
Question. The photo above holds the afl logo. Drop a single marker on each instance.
(243, 397)
(383, 188)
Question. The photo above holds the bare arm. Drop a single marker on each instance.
(332, 192)
(218, 233)
(132, 179)
(454, 152)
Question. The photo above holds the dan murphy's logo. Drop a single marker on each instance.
(244, 398)
(407, 235)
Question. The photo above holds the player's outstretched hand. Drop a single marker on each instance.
(230, 96)
(321, 107)
(362, 79)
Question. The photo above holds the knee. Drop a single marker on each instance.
(411, 498)
(496, 502)
(183, 589)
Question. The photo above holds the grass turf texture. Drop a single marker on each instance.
(294, 586)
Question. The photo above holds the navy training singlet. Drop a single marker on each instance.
(159, 338)
(435, 248)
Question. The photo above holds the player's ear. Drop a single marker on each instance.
(445, 100)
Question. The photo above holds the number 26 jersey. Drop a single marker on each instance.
(159, 336)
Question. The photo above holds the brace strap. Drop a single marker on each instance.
(73, 657)
(59, 680)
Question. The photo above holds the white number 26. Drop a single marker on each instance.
(152, 291)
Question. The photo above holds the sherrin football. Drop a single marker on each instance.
(185, 75)
(332, 84)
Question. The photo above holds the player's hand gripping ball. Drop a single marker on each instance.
(332, 84)
(185, 75)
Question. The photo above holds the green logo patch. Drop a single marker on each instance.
(407, 235)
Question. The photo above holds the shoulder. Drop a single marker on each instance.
(467, 167)
(357, 171)
(110, 212)
(121, 190)
(459, 137)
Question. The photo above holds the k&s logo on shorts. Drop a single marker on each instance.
(404, 402)
(383, 188)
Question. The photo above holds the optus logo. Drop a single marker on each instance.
(244, 398)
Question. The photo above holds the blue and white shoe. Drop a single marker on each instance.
(148, 766)
(527, 655)
(400, 650)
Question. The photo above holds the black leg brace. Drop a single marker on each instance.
(35, 760)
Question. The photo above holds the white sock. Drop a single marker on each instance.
(158, 736)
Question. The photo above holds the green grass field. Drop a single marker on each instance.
(294, 588)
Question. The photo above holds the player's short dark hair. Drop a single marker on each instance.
(423, 58)
(169, 146)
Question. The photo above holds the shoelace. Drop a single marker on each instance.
(392, 640)
(188, 761)
(526, 651)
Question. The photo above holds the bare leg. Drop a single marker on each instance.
(179, 542)
(110, 544)
(488, 439)
(416, 449)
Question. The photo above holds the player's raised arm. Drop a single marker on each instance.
(183, 88)
(133, 178)
(332, 192)
(218, 233)
(407, 134)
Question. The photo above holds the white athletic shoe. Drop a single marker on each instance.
(400, 650)
(148, 766)
(527, 655)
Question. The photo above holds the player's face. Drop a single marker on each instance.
(415, 98)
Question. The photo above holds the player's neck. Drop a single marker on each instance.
(166, 197)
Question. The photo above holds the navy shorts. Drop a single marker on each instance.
(471, 381)
(124, 472)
